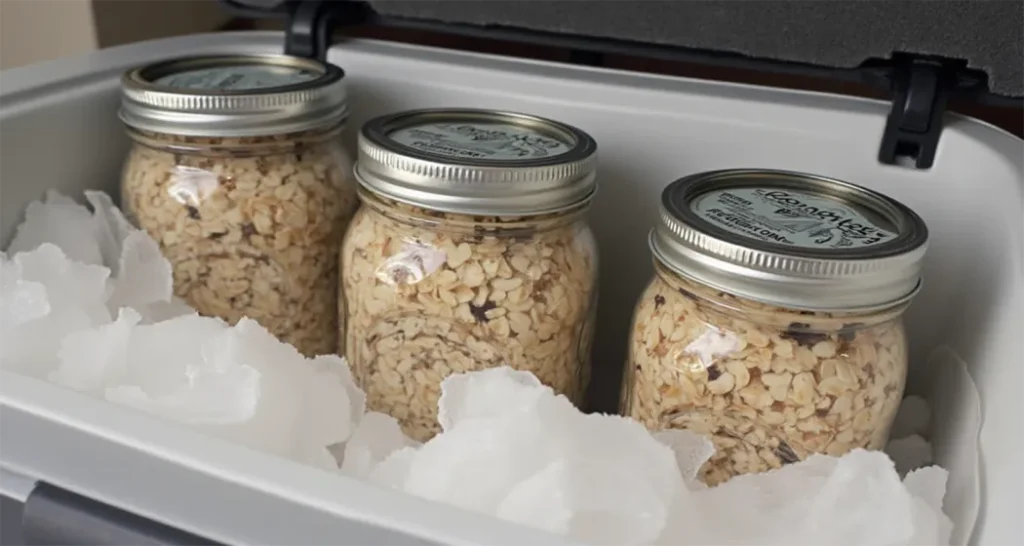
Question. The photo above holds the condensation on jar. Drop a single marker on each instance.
(470, 251)
(237, 169)
(773, 322)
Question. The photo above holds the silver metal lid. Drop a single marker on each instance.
(234, 95)
(477, 161)
(790, 239)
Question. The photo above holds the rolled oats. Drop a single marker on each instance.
(251, 226)
(470, 252)
(752, 376)
(773, 323)
(237, 170)
(428, 294)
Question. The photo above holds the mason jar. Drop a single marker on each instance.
(237, 170)
(773, 322)
(470, 251)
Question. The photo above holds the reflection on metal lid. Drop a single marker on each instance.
(234, 95)
(477, 161)
(791, 239)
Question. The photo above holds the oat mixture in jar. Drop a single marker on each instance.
(470, 251)
(773, 323)
(238, 171)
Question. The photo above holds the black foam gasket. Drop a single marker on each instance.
(989, 34)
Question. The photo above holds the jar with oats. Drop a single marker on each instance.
(470, 251)
(773, 322)
(237, 170)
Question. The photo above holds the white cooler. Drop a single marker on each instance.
(90, 470)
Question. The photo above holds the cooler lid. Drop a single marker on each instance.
(922, 53)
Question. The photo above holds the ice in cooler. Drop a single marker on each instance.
(86, 304)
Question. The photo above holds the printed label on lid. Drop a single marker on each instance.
(475, 140)
(232, 78)
(789, 217)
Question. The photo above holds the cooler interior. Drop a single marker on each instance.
(59, 129)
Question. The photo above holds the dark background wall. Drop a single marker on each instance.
(1011, 119)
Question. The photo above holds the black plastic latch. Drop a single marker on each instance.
(922, 89)
(311, 24)
(55, 516)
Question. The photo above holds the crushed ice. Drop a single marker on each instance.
(88, 304)
(510, 447)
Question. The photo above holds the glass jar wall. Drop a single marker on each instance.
(470, 251)
(238, 171)
(768, 385)
(430, 294)
(250, 225)
(773, 322)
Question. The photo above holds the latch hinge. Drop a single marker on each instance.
(311, 24)
(922, 87)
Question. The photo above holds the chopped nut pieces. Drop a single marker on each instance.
(428, 294)
(768, 385)
(251, 226)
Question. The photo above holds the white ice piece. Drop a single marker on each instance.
(139, 275)
(855, 499)
(486, 393)
(375, 438)
(51, 296)
(514, 449)
(928, 487)
(96, 358)
(913, 417)
(23, 301)
(691, 451)
(60, 221)
(909, 453)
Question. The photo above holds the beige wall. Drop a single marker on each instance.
(39, 30)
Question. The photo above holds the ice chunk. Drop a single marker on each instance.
(691, 451)
(160, 311)
(62, 222)
(168, 374)
(110, 228)
(928, 487)
(222, 380)
(333, 404)
(160, 355)
(69, 285)
(611, 495)
(213, 397)
(486, 393)
(512, 448)
(141, 276)
(23, 301)
(913, 417)
(909, 453)
(239, 383)
(96, 358)
(52, 297)
(393, 471)
(144, 276)
(375, 438)
(856, 499)
(274, 420)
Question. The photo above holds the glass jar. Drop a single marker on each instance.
(470, 252)
(773, 322)
(237, 170)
